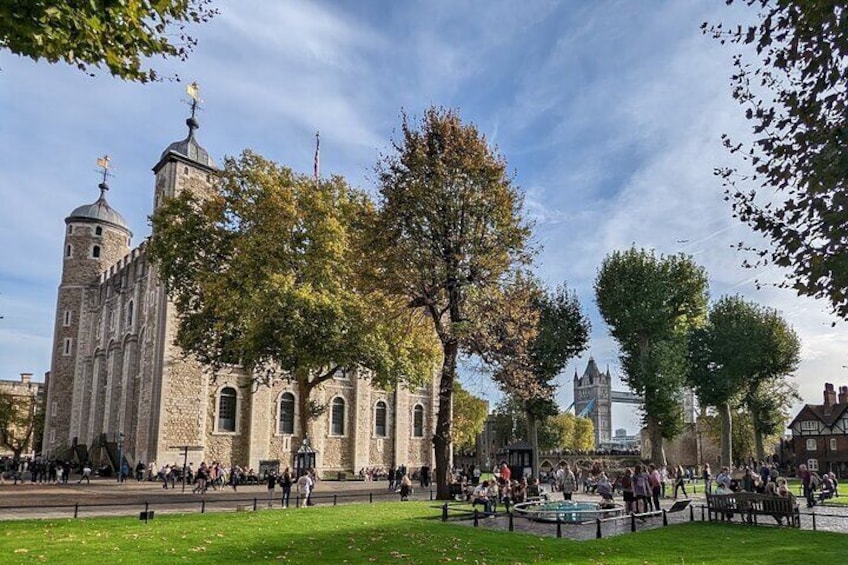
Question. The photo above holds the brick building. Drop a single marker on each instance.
(820, 433)
(118, 384)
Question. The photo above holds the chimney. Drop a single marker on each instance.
(26, 378)
(829, 395)
(843, 395)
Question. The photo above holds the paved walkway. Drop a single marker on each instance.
(106, 497)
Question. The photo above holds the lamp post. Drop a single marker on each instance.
(120, 456)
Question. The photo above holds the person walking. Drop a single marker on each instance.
(86, 474)
(286, 484)
(567, 481)
(304, 486)
(680, 482)
(272, 482)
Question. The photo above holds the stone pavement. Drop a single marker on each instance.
(106, 497)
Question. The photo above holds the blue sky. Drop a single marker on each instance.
(608, 112)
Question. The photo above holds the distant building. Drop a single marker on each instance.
(820, 433)
(27, 397)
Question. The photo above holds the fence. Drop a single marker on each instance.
(202, 505)
(604, 527)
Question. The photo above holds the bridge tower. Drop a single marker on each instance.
(592, 399)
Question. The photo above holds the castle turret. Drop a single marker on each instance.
(96, 237)
(184, 165)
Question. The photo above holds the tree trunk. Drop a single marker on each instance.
(758, 435)
(304, 391)
(533, 439)
(442, 439)
(726, 434)
(656, 439)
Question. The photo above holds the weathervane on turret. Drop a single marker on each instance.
(193, 91)
(103, 163)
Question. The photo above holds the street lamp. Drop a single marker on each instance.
(120, 455)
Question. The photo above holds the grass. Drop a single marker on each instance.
(391, 533)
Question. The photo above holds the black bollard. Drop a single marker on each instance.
(559, 527)
(702, 513)
(203, 507)
(598, 530)
(254, 504)
(511, 526)
(476, 518)
(371, 498)
(691, 513)
(445, 512)
(814, 521)
(297, 501)
(76, 510)
(665, 517)
(632, 522)
(334, 500)
(431, 494)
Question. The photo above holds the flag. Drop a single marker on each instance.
(103, 162)
(317, 161)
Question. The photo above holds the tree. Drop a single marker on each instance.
(19, 416)
(267, 274)
(118, 35)
(570, 432)
(722, 362)
(449, 224)
(584, 434)
(743, 348)
(527, 334)
(650, 303)
(794, 187)
(469, 417)
(771, 395)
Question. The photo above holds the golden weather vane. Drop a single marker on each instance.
(103, 163)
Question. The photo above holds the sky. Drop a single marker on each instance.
(609, 114)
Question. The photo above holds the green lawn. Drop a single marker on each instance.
(391, 533)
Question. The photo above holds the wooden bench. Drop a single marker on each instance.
(749, 506)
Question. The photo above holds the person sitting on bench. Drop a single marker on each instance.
(827, 488)
(481, 496)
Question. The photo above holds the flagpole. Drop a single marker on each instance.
(317, 161)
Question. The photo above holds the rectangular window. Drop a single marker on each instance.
(54, 408)
(809, 425)
(52, 438)
(833, 444)
(66, 321)
(813, 464)
(66, 350)
(811, 445)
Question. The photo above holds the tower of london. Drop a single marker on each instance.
(118, 384)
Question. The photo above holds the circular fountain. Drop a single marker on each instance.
(568, 511)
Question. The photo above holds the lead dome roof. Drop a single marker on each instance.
(189, 147)
(99, 211)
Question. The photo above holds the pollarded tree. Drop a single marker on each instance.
(450, 223)
(121, 36)
(650, 303)
(791, 80)
(771, 394)
(267, 274)
(743, 347)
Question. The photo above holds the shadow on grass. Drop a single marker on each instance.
(392, 533)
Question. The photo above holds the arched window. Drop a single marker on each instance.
(98, 231)
(287, 413)
(418, 421)
(380, 419)
(129, 314)
(337, 417)
(95, 251)
(69, 251)
(227, 410)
